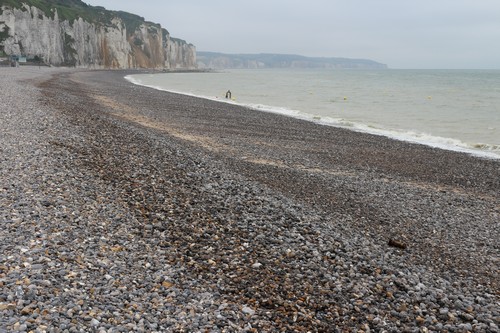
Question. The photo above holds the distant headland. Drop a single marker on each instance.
(214, 60)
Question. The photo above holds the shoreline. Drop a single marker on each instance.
(130, 208)
(488, 151)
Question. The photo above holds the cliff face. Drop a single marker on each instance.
(179, 52)
(30, 32)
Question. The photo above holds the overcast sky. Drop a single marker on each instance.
(399, 33)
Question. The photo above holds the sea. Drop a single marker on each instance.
(449, 109)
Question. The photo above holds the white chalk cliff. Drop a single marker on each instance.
(30, 32)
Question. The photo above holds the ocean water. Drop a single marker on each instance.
(449, 109)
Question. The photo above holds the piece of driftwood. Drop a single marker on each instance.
(396, 243)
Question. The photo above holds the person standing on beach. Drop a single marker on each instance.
(228, 94)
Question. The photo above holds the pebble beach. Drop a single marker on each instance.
(127, 209)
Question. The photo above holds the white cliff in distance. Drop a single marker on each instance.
(30, 32)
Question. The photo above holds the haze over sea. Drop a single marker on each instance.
(450, 109)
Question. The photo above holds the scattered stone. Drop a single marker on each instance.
(248, 311)
(138, 215)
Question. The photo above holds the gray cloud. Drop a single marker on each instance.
(400, 33)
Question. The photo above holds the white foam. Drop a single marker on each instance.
(476, 149)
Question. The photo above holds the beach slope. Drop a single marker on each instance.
(130, 209)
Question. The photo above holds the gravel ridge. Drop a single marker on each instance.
(126, 209)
